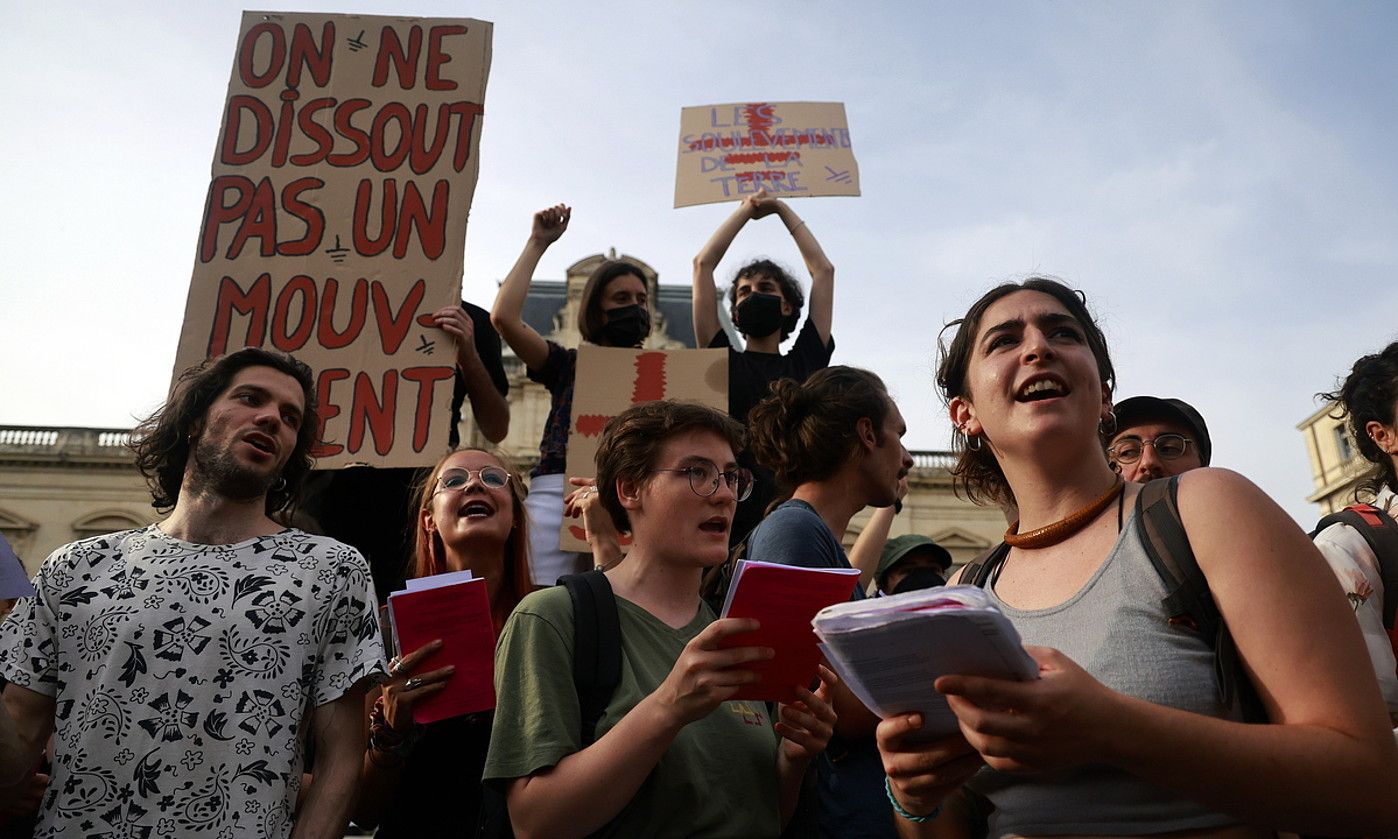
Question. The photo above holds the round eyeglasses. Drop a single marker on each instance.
(1167, 447)
(704, 478)
(493, 477)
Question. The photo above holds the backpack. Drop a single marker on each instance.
(1380, 531)
(596, 673)
(1187, 601)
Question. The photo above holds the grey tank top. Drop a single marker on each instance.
(1115, 629)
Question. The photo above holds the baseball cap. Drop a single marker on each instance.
(1131, 411)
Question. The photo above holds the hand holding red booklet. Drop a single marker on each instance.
(454, 608)
(784, 598)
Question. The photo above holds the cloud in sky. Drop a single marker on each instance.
(1217, 177)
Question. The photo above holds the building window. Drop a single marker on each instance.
(1343, 443)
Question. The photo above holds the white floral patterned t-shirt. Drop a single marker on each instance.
(184, 676)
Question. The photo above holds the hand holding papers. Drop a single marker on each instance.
(889, 650)
(454, 608)
(784, 598)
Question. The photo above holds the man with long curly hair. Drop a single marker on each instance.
(183, 667)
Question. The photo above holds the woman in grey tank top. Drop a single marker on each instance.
(1121, 734)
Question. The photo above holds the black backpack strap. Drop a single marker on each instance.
(1380, 531)
(596, 646)
(978, 571)
(1188, 600)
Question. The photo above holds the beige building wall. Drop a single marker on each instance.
(1336, 465)
(62, 484)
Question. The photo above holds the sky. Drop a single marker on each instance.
(1219, 178)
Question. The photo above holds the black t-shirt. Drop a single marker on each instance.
(371, 509)
(750, 377)
(439, 790)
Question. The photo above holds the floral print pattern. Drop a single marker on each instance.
(183, 676)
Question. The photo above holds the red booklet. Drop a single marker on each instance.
(458, 612)
(785, 598)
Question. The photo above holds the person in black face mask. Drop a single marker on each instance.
(613, 312)
(911, 562)
(765, 306)
(626, 326)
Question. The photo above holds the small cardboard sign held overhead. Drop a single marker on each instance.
(610, 380)
(790, 149)
(336, 218)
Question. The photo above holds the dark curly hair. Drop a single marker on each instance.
(162, 441)
(1369, 394)
(791, 289)
(977, 473)
(805, 431)
(632, 440)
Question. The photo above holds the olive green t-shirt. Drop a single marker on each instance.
(717, 778)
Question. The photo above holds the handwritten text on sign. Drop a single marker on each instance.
(336, 218)
(787, 148)
(610, 380)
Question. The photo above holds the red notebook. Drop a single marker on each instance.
(785, 598)
(458, 612)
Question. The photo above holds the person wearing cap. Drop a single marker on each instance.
(911, 562)
(1157, 438)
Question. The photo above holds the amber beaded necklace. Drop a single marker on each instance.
(1052, 534)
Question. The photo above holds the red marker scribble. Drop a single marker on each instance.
(578, 533)
(590, 425)
(761, 157)
(650, 377)
(759, 116)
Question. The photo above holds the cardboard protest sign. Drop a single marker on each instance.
(610, 380)
(790, 149)
(336, 218)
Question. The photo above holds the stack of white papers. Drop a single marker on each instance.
(889, 650)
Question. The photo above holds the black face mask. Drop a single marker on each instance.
(627, 326)
(759, 315)
(917, 579)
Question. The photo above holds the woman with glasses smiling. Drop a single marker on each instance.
(424, 781)
(672, 755)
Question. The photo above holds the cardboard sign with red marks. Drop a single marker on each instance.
(335, 221)
(610, 380)
(790, 149)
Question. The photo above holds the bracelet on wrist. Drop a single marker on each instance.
(387, 740)
(898, 808)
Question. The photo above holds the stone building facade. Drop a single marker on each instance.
(1336, 465)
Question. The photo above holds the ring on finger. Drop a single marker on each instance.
(412, 684)
(394, 665)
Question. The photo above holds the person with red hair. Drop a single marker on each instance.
(470, 515)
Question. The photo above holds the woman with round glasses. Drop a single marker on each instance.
(1157, 438)
(424, 781)
(673, 755)
(1123, 733)
(834, 443)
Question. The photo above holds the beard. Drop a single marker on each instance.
(218, 472)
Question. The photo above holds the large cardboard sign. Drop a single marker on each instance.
(790, 149)
(610, 380)
(335, 221)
